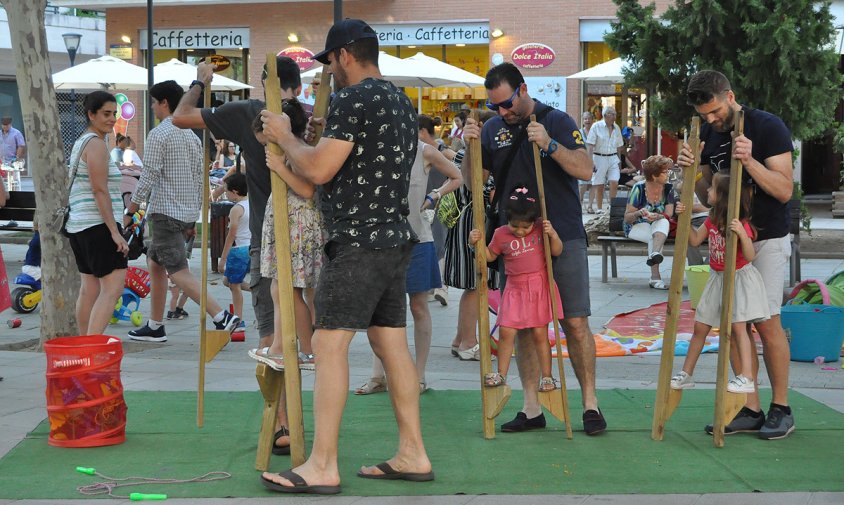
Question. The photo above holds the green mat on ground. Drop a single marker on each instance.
(164, 442)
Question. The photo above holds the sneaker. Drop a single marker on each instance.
(172, 314)
(10, 224)
(228, 323)
(746, 421)
(682, 381)
(180, 313)
(241, 326)
(594, 422)
(441, 295)
(522, 423)
(741, 384)
(147, 334)
(778, 425)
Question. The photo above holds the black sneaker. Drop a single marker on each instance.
(522, 423)
(147, 334)
(180, 313)
(746, 421)
(778, 425)
(228, 323)
(171, 314)
(594, 422)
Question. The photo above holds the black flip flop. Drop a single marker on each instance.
(391, 474)
(299, 485)
(281, 450)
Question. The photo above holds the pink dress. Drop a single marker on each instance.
(526, 302)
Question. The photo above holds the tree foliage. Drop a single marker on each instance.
(779, 56)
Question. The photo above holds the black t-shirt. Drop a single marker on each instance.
(561, 194)
(233, 121)
(770, 137)
(368, 196)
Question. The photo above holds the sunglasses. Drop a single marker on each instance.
(506, 104)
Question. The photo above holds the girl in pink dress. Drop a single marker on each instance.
(526, 301)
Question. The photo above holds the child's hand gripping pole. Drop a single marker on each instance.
(545, 398)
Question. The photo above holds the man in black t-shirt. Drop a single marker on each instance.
(364, 159)
(233, 121)
(765, 152)
(564, 161)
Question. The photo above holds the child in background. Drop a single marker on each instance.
(235, 254)
(179, 298)
(307, 240)
(749, 301)
(32, 260)
(526, 301)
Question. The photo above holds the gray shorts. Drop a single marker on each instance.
(360, 288)
(771, 260)
(262, 301)
(571, 272)
(167, 247)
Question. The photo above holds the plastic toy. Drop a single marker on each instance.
(27, 296)
(129, 305)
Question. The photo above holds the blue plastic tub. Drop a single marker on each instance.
(814, 330)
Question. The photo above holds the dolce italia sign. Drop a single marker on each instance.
(432, 34)
(533, 55)
(197, 38)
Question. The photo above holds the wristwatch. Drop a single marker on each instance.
(197, 83)
(552, 146)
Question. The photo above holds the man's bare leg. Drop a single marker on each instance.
(581, 347)
(390, 345)
(331, 388)
(777, 356)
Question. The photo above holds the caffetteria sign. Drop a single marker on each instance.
(432, 34)
(533, 55)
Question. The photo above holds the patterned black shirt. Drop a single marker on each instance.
(368, 196)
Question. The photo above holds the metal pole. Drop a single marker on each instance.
(74, 127)
(150, 64)
(338, 11)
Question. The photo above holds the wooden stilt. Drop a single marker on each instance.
(210, 341)
(666, 398)
(493, 399)
(724, 401)
(271, 383)
(558, 403)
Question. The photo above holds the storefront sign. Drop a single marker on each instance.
(533, 55)
(122, 51)
(432, 34)
(219, 61)
(197, 38)
(304, 57)
(548, 90)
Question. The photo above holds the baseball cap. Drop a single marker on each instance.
(343, 33)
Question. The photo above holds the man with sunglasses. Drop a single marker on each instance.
(765, 152)
(564, 162)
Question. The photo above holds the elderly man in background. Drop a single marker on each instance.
(14, 148)
(604, 145)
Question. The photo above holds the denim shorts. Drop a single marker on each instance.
(360, 287)
(423, 272)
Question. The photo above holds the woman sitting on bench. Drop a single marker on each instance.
(649, 205)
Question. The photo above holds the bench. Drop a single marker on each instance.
(19, 207)
(618, 206)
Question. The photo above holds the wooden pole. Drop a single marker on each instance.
(292, 376)
(321, 101)
(558, 406)
(728, 404)
(203, 298)
(667, 399)
(492, 399)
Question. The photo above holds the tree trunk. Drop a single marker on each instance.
(48, 167)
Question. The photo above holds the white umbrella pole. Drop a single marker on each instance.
(419, 100)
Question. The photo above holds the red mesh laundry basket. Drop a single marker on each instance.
(84, 393)
(137, 279)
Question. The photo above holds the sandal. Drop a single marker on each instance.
(547, 384)
(281, 450)
(262, 355)
(657, 284)
(454, 350)
(495, 379)
(423, 387)
(655, 258)
(373, 385)
(306, 361)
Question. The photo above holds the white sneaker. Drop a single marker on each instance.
(741, 384)
(682, 381)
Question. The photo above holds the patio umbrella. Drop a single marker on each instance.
(105, 72)
(609, 71)
(402, 73)
(432, 67)
(184, 74)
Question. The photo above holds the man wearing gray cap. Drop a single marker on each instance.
(364, 161)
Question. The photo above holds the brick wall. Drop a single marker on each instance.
(551, 22)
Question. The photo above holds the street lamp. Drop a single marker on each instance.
(71, 42)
